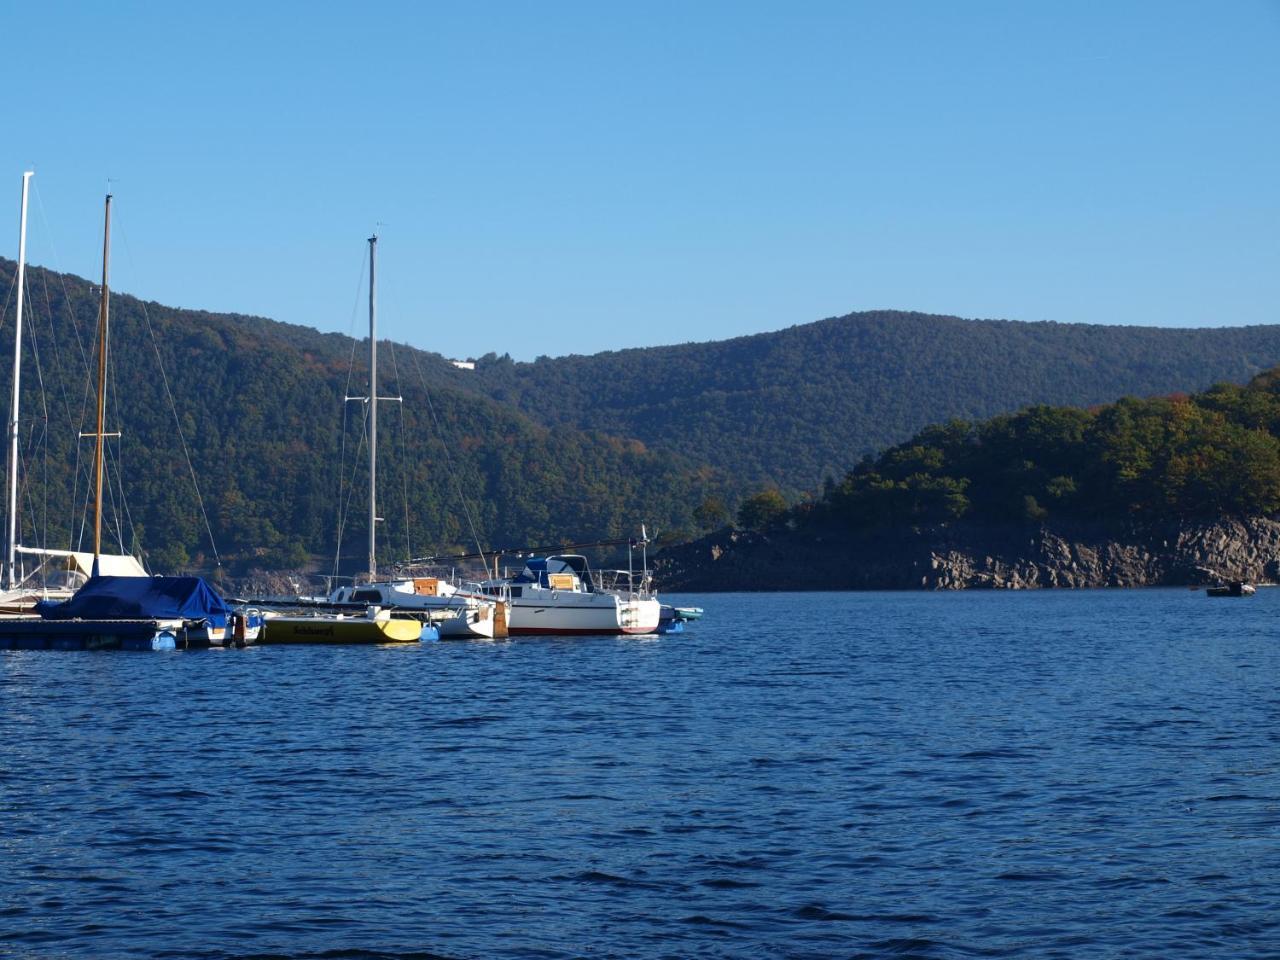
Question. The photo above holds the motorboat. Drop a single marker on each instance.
(238, 627)
(1233, 588)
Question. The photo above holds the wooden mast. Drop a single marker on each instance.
(100, 436)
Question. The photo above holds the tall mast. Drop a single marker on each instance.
(11, 577)
(100, 437)
(373, 407)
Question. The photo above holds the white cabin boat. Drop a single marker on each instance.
(561, 595)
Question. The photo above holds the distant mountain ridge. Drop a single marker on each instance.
(561, 448)
(806, 402)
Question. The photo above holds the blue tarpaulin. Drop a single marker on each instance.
(140, 598)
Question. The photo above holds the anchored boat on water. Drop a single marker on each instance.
(673, 619)
(560, 594)
(130, 613)
(116, 611)
(373, 626)
(1232, 588)
(457, 614)
(57, 574)
(390, 610)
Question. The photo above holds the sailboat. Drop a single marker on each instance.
(111, 611)
(437, 611)
(457, 614)
(59, 573)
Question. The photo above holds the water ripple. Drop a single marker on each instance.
(870, 775)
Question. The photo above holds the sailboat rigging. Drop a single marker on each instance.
(19, 594)
(457, 613)
(372, 400)
(127, 611)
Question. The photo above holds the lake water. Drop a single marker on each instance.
(1089, 774)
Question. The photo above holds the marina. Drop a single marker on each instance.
(97, 601)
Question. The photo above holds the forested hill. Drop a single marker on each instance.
(1174, 490)
(574, 447)
(795, 406)
(260, 407)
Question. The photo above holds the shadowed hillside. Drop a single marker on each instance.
(261, 408)
(565, 448)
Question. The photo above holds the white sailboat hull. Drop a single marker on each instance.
(581, 613)
(465, 626)
(458, 616)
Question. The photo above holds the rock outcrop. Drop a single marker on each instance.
(960, 557)
(268, 583)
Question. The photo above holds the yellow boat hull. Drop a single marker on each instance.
(339, 630)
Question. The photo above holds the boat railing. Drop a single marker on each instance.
(634, 585)
(490, 590)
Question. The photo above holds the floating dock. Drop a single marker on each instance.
(37, 634)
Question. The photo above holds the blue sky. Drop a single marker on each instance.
(557, 178)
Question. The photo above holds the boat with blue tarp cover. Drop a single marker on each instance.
(115, 611)
(147, 613)
(140, 598)
(206, 619)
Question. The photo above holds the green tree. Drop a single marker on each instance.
(761, 510)
(711, 514)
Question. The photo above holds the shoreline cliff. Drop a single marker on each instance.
(969, 556)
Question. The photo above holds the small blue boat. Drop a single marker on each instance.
(672, 619)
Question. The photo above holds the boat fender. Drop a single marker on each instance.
(238, 628)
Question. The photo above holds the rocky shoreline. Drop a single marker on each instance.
(963, 557)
